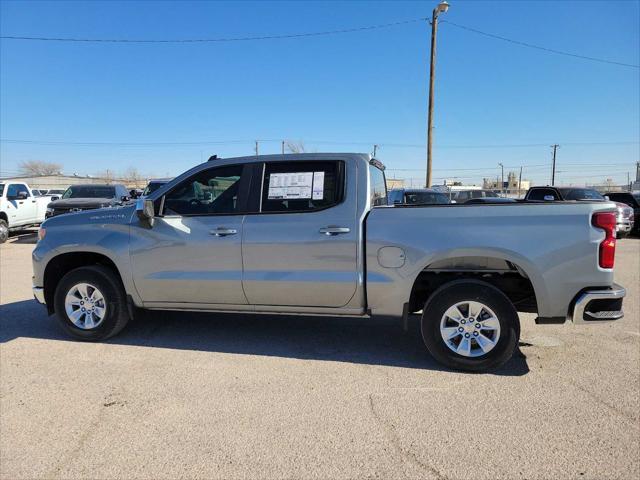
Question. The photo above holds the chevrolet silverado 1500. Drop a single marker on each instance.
(313, 234)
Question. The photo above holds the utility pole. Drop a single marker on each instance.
(502, 176)
(375, 149)
(257, 148)
(520, 182)
(553, 168)
(441, 8)
(283, 147)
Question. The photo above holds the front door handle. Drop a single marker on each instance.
(333, 230)
(223, 232)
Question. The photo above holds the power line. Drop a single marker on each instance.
(313, 34)
(318, 142)
(538, 47)
(217, 40)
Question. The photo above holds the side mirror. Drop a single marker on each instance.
(145, 211)
(548, 198)
(125, 198)
(606, 197)
(453, 201)
(22, 195)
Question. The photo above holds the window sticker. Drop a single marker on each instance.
(294, 185)
(318, 185)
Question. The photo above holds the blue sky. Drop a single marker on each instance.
(354, 89)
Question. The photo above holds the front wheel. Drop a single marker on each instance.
(470, 325)
(90, 303)
(4, 231)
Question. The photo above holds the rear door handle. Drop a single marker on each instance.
(223, 232)
(332, 230)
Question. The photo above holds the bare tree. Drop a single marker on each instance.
(106, 175)
(132, 176)
(296, 147)
(38, 167)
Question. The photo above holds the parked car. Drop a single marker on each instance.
(20, 208)
(624, 216)
(490, 200)
(55, 191)
(313, 234)
(417, 196)
(43, 193)
(154, 185)
(135, 193)
(461, 196)
(88, 197)
(632, 199)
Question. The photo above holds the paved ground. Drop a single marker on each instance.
(220, 396)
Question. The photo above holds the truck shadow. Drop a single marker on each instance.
(360, 341)
(24, 237)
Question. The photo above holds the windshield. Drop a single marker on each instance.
(636, 195)
(90, 191)
(422, 198)
(152, 187)
(582, 194)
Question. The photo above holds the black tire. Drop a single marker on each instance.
(4, 231)
(458, 291)
(117, 315)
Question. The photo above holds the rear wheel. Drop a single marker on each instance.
(90, 303)
(470, 325)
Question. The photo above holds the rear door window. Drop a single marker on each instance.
(302, 186)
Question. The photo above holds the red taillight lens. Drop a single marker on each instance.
(607, 222)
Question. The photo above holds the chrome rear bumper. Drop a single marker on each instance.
(611, 300)
(38, 294)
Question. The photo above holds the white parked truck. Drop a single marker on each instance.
(20, 208)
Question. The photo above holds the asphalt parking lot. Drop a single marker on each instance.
(222, 396)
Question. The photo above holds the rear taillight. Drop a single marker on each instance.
(607, 222)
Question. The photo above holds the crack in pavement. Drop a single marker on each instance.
(66, 459)
(599, 400)
(395, 443)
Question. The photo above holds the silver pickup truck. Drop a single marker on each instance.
(312, 234)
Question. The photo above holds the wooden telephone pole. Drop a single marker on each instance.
(553, 170)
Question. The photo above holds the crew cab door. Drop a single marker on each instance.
(21, 211)
(300, 245)
(192, 254)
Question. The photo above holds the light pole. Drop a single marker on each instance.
(441, 8)
(502, 179)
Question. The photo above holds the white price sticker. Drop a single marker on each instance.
(294, 185)
(318, 185)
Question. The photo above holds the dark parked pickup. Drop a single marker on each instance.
(87, 197)
(633, 200)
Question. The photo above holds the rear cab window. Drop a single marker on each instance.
(540, 193)
(301, 186)
(378, 184)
